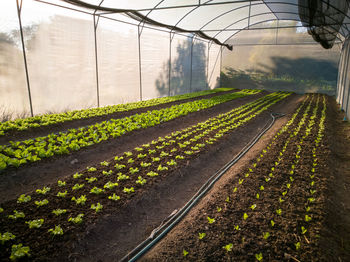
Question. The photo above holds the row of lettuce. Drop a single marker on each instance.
(49, 211)
(51, 119)
(267, 213)
(17, 153)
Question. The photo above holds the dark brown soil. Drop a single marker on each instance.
(16, 135)
(119, 215)
(327, 238)
(36, 175)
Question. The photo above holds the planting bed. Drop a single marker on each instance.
(276, 207)
(272, 209)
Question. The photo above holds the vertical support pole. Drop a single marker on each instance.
(340, 73)
(207, 82)
(347, 84)
(96, 61)
(19, 10)
(170, 41)
(140, 73)
(220, 63)
(277, 32)
(191, 63)
(250, 8)
(345, 75)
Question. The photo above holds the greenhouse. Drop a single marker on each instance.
(174, 130)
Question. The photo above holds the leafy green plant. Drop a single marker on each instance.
(19, 251)
(245, 216)
(80, 200)
(119, 166)
(98, 207)
(252, 207)
(266, 235)
(61, 183)
(16, 215)
(62, 194)
(297, 245)
(122, 177)
(210, 220)
(114, 197)
(77, 175)
(41, 203)
(77, 186)
(59, 212)
(228, 247)
(110, 185)
(133, 170)
(43, 191)
(7, 236)
(236, 227)
(171, 163)
(303, 230)
(91, 169)
(279, 211)
(143, 164)
(162, 168)
(57, 231)
(76, 220)
(23, 199)
(308, 218)
(104, 163)
(91, 179)
(152, 174)
(218, 209)
(96, 190)
(141, 181)
(128, 190)
(259, 256)
(36, 223)
(201, 235)
(184, 253)
(130, 161)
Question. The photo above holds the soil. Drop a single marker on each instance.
(152, 200)
(328, 233)
(35, 175)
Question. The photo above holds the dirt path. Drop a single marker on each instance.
(116, 234)
(61, 127)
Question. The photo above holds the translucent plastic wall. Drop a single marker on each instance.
(280, 59)
(13, 88)
(76, 60)
(343, 86)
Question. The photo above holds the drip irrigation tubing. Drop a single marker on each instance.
(176, 216)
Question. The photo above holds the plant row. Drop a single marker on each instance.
(31, 150)
(266, 212)
(50, 119)
(56, 210)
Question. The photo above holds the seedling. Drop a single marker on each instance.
(272, 223)
(307, 208)
(133, 170)
(119, 166)
(110, 185)
(245, 216)
(303, 230)
(281, 200)
(130, 161)
(279, 211)
(91, 169)
(1, 210)
(37, 223)
(227, 199)
(237, 227)
(128, 153)
(76, 220)
(8, 236)
(161, 168)
(171, 163)
(56, 231)
(96, 190)
(61, 183)
(114, 197)
(77, 186)
(107, 173)
(228, 247)
(179, 157)
(122, 177)
(266, 235)
(257, 195)
(117, 158)
(143, 164)
(23, 199)
(211, 220)
(155, 159)
(128, 190)
(201, 235)
(141, 181)
(62, 194)
(77, 175)
(184, 252)
(235, 190)
(297, 245)
(80, 201)
(152, 174)
(308, 218)
(43, 191)
(259, 256)
(261, 188)
(18, 251)
(41, 203)
(252, 207)
(59, 212)
(104, 163)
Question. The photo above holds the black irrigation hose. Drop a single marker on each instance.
(177, 215)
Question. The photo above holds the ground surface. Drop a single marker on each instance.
(328, 242)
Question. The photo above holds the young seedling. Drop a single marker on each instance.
(23, 199)
(57, 231)
(77, 175)
(171, 163)
(96, 190)
(59, 212)
(80, 201)
(184, 253)
(266, 235)
(237, 227)
(43, 191)
(128, 190)
(259, 257)
(261, 187)
(211, 220)
(7, 236)
(308, 218)
(41, 203)
(107, 173)
(297, 245)
(130, 161)
(133, 170)
(110, 185)
(152, 174)
(161, 168)
(114, 197)
(119, 166)
(257, 195)
(62, 194)
(91, 169)
(37, 223)
(143, 164)
(272, 223)
(201, 235)
(18, 251)
(235, 190)
(141, 181)
(279, 211)
(245, 216)
(228, 247)
(76, 220)
(77, 186)
(252, 207)
(104, 163)
(61, 183)
(303, 230)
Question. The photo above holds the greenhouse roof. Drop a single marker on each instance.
(220, 20)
